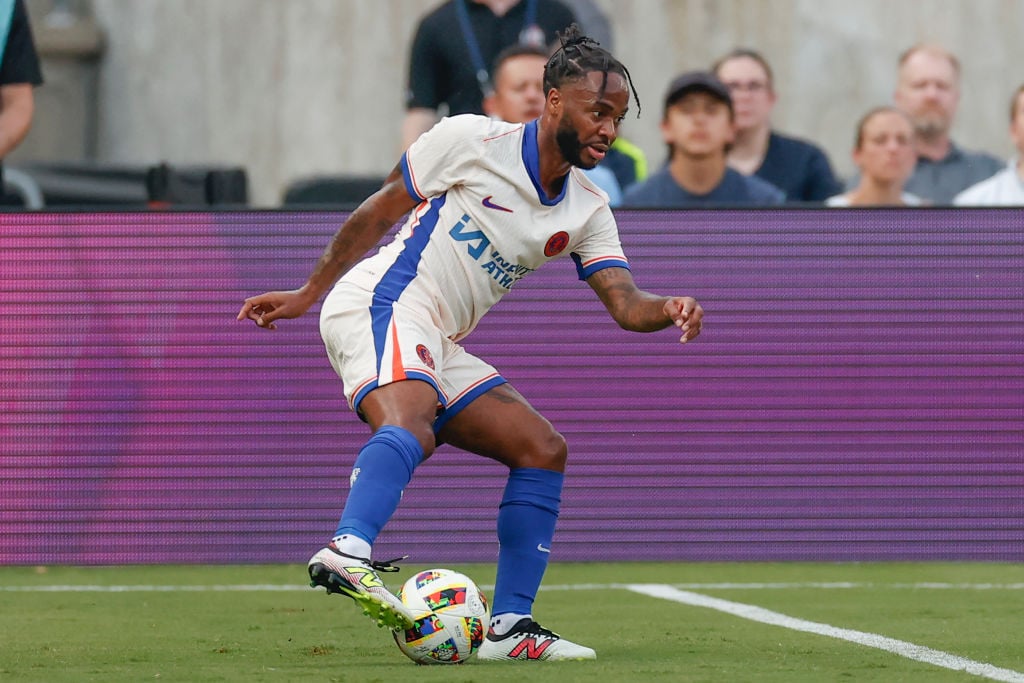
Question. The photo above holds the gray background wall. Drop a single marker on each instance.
(291, 88)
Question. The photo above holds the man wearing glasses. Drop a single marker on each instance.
(797, 167)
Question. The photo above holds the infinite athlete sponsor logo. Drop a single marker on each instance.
(491, 205)
(556, 244)
(502, 271)
(425, 356)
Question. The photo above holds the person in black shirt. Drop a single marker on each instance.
(454, 49)
(19, 73)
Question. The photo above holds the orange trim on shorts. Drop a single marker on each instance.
(364, 384)
(397, 369)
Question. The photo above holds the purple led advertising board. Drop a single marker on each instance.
(857, 394)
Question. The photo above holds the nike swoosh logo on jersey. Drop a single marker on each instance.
(541, 548)
(491, 205)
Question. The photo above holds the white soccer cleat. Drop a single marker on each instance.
(529, 641)
(357, 578)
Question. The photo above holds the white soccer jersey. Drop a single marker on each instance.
(484, 222)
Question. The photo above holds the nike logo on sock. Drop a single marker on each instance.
(541, 548)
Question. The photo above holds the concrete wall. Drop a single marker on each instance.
(299, 87)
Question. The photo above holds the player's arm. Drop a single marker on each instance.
(639, 311)
(357, 235)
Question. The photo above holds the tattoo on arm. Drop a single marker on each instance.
(632, 308)
(363, 229)
(611, 282)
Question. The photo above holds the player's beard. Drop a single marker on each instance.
(570, 146)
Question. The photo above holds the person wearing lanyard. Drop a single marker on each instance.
(454, 48)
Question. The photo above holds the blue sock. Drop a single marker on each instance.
(526, 525)
(381, 471)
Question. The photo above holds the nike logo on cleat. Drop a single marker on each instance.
(491, 205)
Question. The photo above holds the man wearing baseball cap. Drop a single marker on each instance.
(698, 127)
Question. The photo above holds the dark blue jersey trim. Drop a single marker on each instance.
(531, 159)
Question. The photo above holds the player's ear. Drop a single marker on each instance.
(554, 102)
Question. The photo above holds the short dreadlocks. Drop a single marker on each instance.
(580, 55)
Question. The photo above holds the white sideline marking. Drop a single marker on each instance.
(902, 648)
(674, 593)
(803, 584)
(245, 588)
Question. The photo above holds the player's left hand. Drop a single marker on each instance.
(687, 315)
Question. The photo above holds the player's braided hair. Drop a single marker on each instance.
(578, 56)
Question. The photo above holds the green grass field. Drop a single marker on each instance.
(257, 623)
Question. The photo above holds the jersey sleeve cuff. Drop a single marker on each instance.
(410, 181)
(588, 268)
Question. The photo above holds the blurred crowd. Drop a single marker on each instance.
(487, 57)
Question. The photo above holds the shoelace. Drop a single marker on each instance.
(379, 565)
(533, 628)
(386, 565)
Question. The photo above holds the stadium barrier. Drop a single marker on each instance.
(857, 394)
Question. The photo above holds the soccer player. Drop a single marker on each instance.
(491, 202)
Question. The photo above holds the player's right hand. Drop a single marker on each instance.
(264, 309)
(687, 314)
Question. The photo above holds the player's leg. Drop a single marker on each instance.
(383, 357)
(500, 424)
(400, 414)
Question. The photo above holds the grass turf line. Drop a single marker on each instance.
(288, 635)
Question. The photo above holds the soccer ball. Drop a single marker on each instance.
(452, 617)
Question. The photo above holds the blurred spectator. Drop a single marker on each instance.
(1005, 188)
(626, 161)
(519, 96)
(797, 167)
(697, 125)
(883, 151)
(592, 21)
(454, 48)
(19, 73)
(928, 90)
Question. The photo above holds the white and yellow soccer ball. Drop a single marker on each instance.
(452, 617)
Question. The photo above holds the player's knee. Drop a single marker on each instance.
(403, 436)
(425, 436)
(549, 452)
